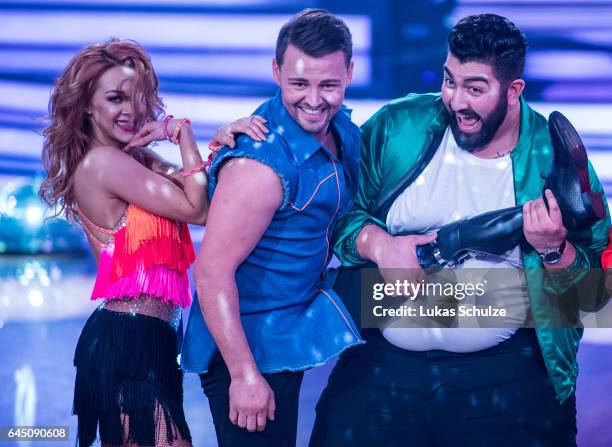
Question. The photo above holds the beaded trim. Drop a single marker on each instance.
(145, 305)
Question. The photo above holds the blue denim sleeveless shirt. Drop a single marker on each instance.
(291, 318)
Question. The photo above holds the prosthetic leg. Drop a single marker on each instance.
(496, 232)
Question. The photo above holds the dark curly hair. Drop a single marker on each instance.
(491, 39)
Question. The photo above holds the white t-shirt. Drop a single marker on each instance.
(456, 185)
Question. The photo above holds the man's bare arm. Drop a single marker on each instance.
(247, 196)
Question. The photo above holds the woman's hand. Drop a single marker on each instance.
(152, 131)
(253, 126)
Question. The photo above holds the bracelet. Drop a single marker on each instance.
(209, 161)
(198, 168)
(177, 130)
(166, 121)
(214, 146)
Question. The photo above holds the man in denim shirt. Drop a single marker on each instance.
(259, 276)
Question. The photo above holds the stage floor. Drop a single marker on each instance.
(36, 380)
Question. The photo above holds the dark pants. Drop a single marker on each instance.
(278, 433)
(381, 395)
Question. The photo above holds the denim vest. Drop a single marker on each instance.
(291, 317)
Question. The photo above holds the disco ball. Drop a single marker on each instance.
(25, 227)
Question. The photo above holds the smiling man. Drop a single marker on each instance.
(259, 274)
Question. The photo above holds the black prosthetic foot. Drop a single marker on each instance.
(569, 177)
(494, 232)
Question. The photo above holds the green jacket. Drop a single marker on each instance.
(396, 136)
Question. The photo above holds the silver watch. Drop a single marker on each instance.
(551, 256)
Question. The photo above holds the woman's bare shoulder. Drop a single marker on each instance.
(103, 155)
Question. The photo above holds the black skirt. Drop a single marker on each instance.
(128, 383)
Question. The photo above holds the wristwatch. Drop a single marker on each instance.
(552, 255)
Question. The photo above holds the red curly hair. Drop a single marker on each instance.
(67, 138)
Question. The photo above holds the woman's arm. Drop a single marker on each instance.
(122, 176)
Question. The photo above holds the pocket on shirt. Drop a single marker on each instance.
(312, 189)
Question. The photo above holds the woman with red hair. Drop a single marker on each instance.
(133, 206)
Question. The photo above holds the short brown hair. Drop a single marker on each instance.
(317, 33)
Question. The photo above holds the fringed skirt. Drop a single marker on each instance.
(128, 383)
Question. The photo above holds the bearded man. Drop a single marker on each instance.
(485, 149)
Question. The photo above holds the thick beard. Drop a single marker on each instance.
(472, 142)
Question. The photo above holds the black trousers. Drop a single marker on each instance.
(381, 395)
(281, 432)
